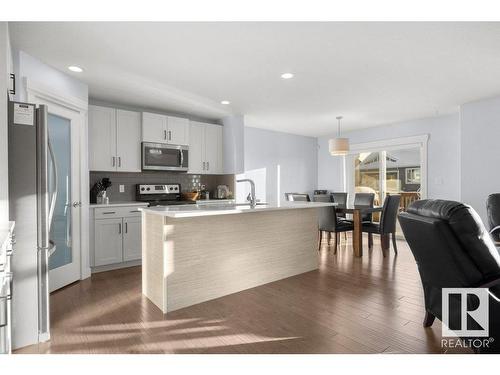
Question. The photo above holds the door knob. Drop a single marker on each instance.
(77, 204)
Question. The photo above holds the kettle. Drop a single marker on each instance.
(222, 192)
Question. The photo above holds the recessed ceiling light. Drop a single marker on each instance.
(287, 75)
(225, 102)
(75, 68)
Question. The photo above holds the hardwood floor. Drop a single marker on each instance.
(350, 305)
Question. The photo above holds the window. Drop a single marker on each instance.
(413, 175)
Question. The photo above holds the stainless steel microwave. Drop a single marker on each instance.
(164, 157)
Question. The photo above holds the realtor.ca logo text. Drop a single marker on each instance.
(465, 318)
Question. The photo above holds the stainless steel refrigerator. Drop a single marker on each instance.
(31, 205)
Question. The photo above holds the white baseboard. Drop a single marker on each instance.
(116, 266)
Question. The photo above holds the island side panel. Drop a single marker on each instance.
(219, 255)
(153, 273)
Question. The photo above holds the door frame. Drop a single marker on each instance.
(420, 141)
(41, 94)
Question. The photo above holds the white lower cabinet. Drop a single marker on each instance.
(108, 241)
(132, 238)
(115, 236)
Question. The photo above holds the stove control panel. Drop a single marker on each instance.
(159, 189)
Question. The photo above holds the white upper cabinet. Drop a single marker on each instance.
(164, 129)
(154, 128)
(177, 130)
(128, 141)
(196, 148)
(114, 140)
(213, 149)
(205, 148)
(102, 138)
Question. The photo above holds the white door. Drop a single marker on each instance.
(132, 249)
(196, 147)
(154, 128)
(128, 141)
(102, 138)
(108, 241)
(178, 130)
(64, 135)
(213, 139)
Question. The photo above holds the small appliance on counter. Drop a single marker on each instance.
(98, 191)
(222, 192)
(161, 194)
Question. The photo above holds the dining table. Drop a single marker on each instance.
(357, 217)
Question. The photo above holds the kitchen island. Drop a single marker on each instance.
(195, 253)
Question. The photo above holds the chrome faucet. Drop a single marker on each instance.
(251, 197)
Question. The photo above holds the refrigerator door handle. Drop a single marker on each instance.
(43, 229)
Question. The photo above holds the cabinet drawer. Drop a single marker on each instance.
(117, 212)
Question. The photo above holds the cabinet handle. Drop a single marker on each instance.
(203, 165)
(208, 166)
(169, 135)
(119, 228)
(165, 135)
(113, 161)
(126, 227)
(135, 211)
(119, 161)
(109, 213)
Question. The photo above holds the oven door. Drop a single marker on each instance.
(163, 157)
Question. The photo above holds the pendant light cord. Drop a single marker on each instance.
(338, 132)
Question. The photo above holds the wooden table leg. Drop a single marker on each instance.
(357, 235)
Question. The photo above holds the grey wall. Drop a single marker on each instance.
(189, 182)
(278, 161)
(480, 152)
(443, 157)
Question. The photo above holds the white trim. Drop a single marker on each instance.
(420, 141)
(47, 93)
(40, 93)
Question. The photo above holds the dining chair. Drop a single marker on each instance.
(329, 222)
(387, 225)
(341, 200)
(493, 213)
(297, 197)
(364, 200)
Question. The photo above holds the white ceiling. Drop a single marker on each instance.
(371, 73)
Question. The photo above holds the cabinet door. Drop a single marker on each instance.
(132, 238)
(196, 147)
(128, 141)
(213, 144)
(102, 138)
(108, 241)
(177, 130)
(154, 128)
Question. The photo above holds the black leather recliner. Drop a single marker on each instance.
(453, 249)
(493, 211)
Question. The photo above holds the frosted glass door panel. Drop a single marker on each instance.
(60, 232)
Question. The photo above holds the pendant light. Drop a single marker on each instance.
(338, 145)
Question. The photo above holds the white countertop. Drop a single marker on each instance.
(195, 210)
(118, 204)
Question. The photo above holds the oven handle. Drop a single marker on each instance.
(182, 158)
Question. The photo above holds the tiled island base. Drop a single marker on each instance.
(190, 260)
